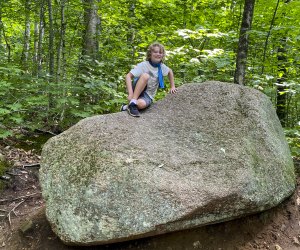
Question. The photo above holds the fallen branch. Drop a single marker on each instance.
(21, 197)
(45, 131)
(13, 210)
(12, 174)
(33, 165)
(5, 177)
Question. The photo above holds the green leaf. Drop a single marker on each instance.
(5, 133)
(4, 111)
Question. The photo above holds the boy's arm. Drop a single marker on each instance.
(173, 90)
(128, 80)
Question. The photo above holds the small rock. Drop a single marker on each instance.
(2, 157)
(26, 226)
(296, 241)
(197, 244)
(5, 177)
(283, 227)
(298, 201)
(277, 247)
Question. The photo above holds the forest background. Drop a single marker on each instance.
(62, 60)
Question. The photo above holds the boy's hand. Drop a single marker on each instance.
(173, 90)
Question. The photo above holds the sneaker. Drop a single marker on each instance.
(123, 107)
(133, 110)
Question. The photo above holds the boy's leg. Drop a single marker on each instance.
(137, 103)
(140, 85)
(141, 104)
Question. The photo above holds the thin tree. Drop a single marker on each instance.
(61, 54)
(40, 38)
(1, 24)
(131, 29)
(51, 40)
(241, 58)
(282, 95)
(268, 35)
(3, 34)
(35, 42)
(26, 43)
(282, 72)
(61, 49)
(51, 55)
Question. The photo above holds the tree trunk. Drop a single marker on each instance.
(40, 41)
(241, 59)
(1, 25)
(282, 95)
(61, 50)
(91, 20)
(131, 30)
(268, 35)
(26, 45)
(51, 40)
(2, 32)
(184, 13)
(35, 47)
(61, 55)
(90, 45)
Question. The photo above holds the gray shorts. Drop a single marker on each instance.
(143, 95)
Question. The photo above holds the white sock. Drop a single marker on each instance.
(133, 101)
(124, 107)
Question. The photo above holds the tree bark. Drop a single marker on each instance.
(241, 58)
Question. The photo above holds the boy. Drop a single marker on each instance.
(148, 76)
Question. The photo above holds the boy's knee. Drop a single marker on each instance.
(141, 104)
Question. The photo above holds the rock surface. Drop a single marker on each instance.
(212, 152)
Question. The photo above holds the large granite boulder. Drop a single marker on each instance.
(210, 153)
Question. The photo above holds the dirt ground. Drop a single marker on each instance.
(23, 224)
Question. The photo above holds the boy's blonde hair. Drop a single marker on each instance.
(151, 48)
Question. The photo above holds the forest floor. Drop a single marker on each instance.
(23, 224)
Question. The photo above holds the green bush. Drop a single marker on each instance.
(293, 138)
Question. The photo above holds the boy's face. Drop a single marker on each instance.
(156, 55)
